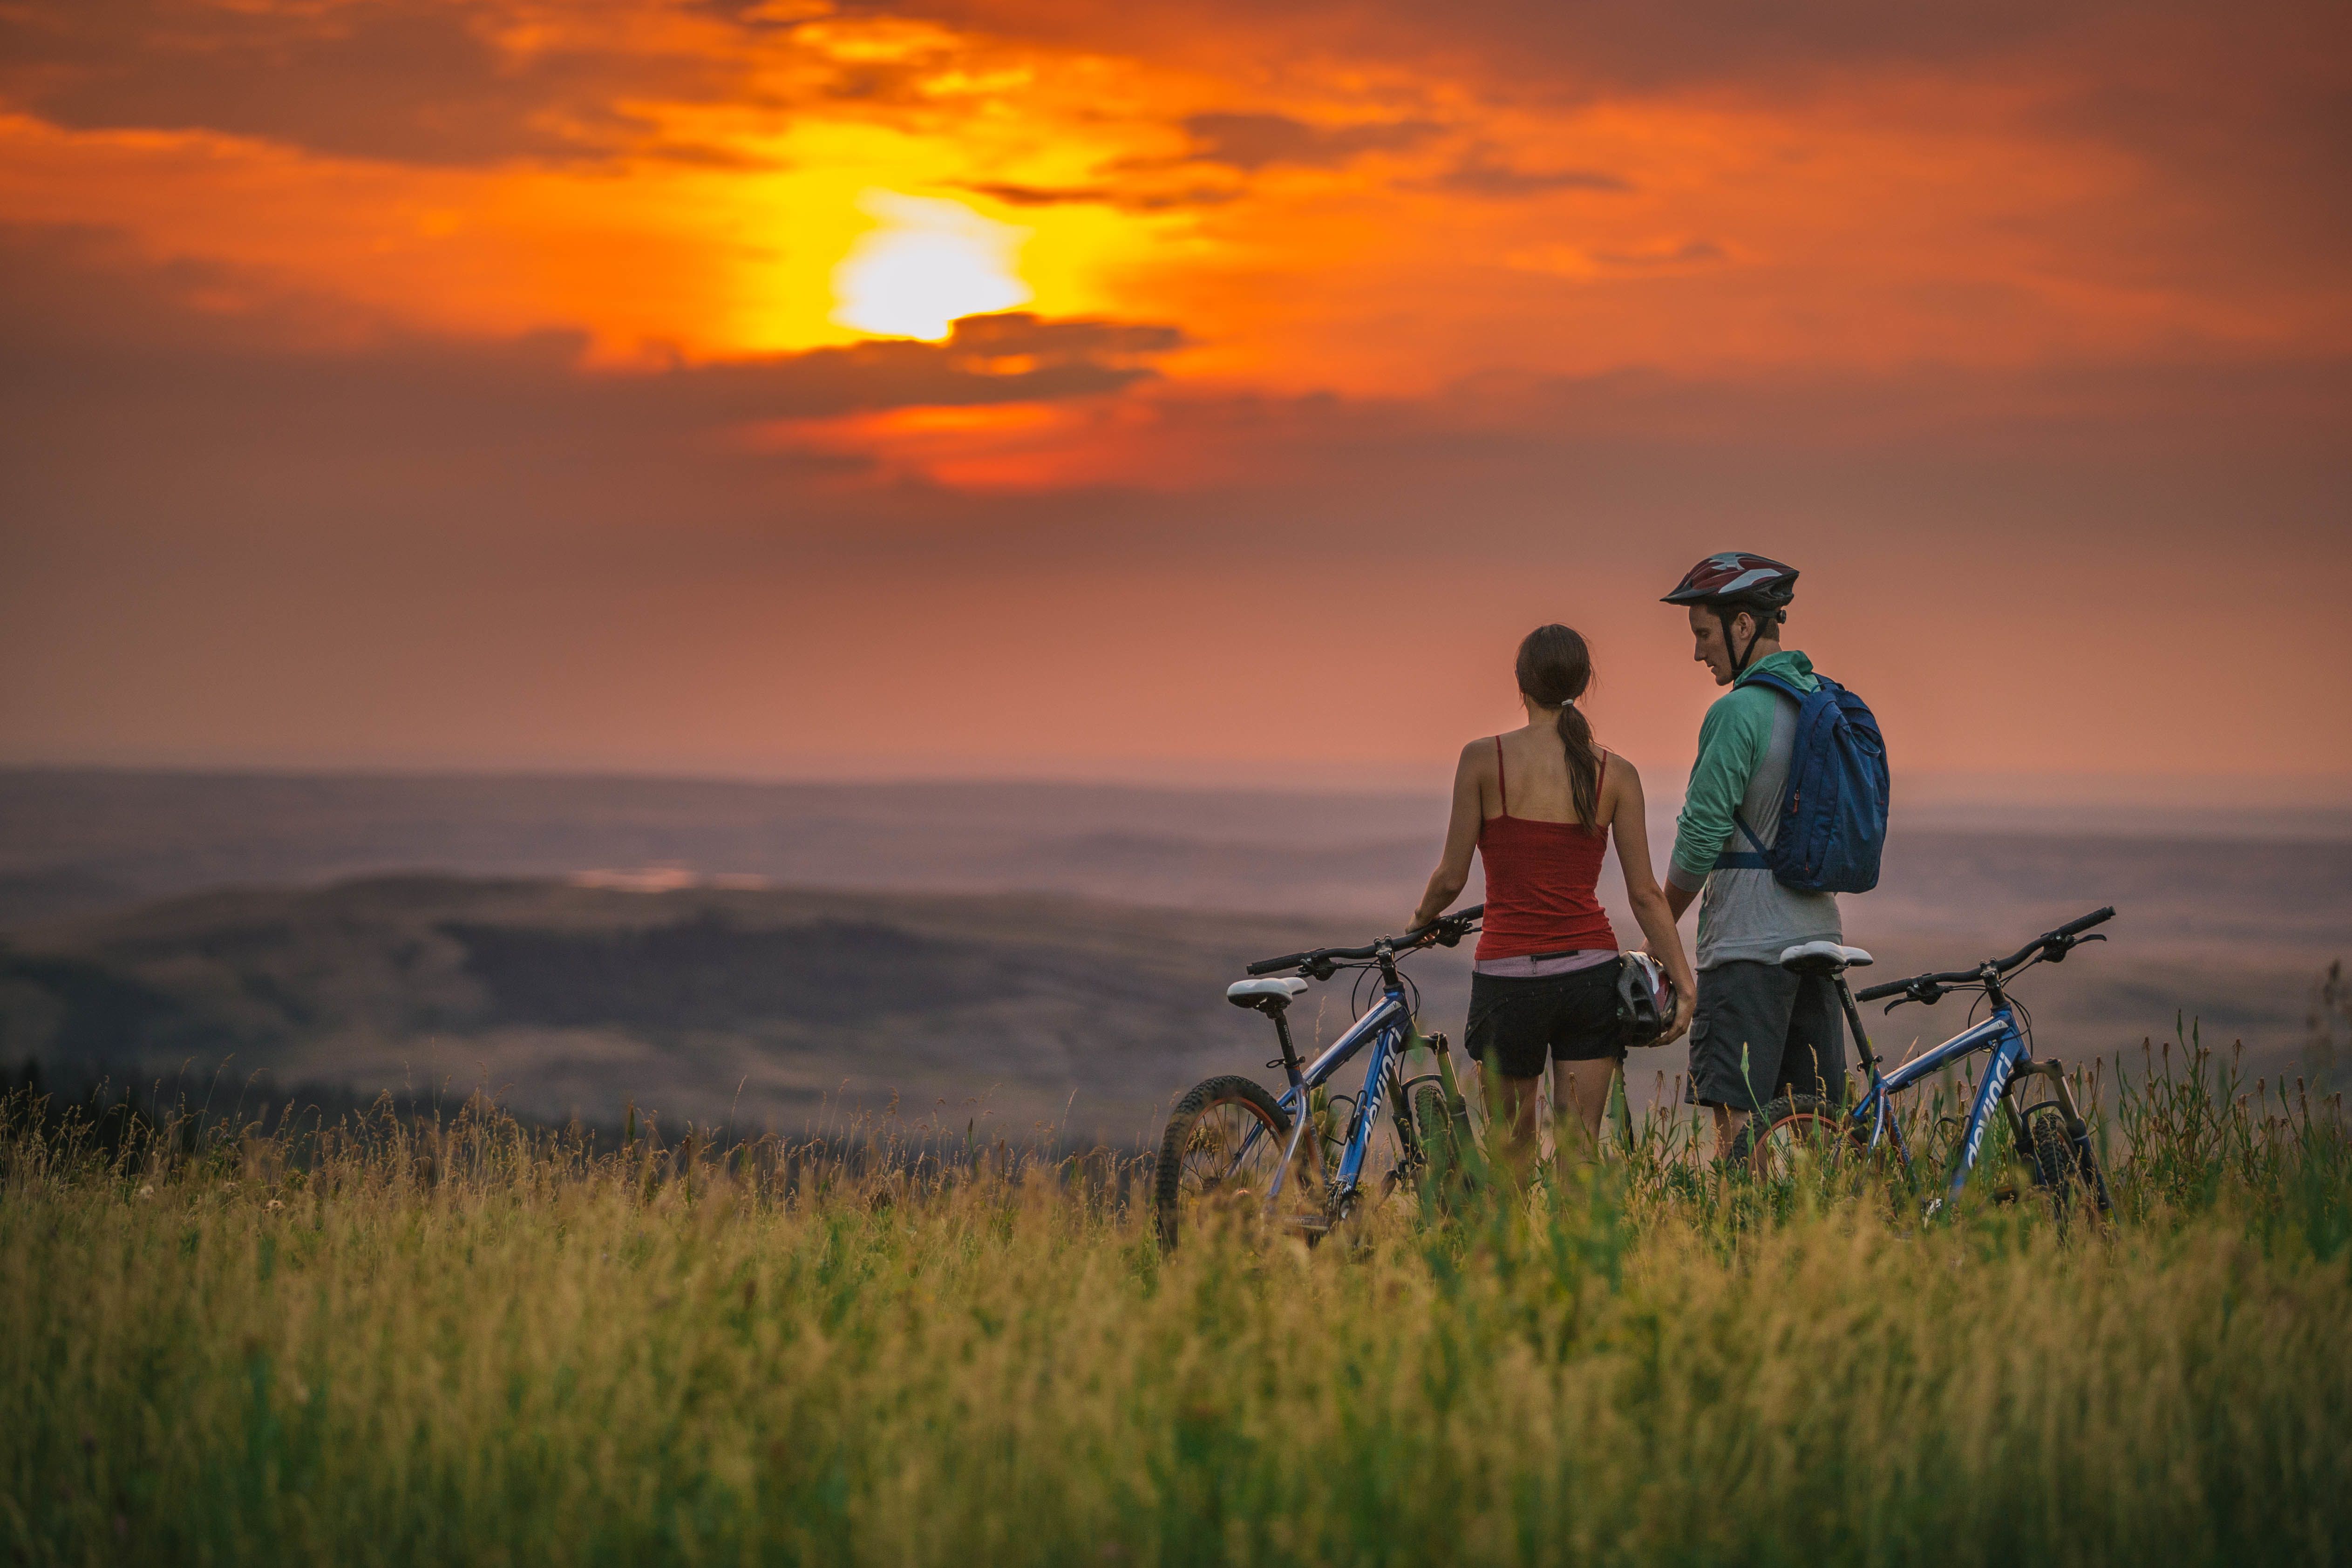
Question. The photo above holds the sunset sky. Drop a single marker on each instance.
(1195, 391)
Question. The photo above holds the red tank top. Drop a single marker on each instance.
(1539, 881)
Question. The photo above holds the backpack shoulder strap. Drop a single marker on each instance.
(1756, 857)
(1776, 684)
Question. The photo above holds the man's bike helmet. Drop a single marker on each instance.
(1645, 1000)
(1736, 581)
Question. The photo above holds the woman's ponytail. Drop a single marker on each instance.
(1554, 668)
(1583, 761)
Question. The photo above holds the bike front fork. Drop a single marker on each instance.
(2078, 1130)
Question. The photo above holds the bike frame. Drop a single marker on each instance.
(1998, 1034)
(2012, 1058)
(1385, 1026)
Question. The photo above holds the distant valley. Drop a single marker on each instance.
(1052, 953)
(770, 1008)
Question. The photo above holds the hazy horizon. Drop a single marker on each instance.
(270, 915)
(1944, 791)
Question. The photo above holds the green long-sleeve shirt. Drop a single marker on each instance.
(1733, 739)
(1744, 749)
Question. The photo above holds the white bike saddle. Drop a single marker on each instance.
(1264, 993)
(1822, 957)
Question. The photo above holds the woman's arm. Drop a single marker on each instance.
(1631, 825)
(1453, 872)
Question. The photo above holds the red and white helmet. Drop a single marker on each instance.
(1735, 578)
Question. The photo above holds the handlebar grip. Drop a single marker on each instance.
(1350, 955)
(1871, 993)
(2097, 917)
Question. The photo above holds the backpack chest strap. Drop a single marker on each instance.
(1744, 860)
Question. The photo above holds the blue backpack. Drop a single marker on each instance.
(1834, 817)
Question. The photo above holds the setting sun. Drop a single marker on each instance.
(928, 263)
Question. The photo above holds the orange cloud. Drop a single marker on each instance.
(664, 181)
(525, 338)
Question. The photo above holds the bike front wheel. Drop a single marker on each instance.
(1221, 1151)
(1798, 1131)
(1444, 1146)
(2068, 1172)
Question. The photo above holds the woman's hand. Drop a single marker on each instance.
(1686, 1004)
(1650, 906)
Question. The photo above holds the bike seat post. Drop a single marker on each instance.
(1289, 1052)
(1854, 1021)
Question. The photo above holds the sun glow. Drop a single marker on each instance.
(928, 263)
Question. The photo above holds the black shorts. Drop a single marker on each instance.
(1516, 1022)
(1789, 1026)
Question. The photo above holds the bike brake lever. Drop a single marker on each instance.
(1928, 995)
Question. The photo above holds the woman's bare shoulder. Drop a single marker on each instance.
(1621, 782)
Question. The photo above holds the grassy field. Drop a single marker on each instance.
(390, 1342)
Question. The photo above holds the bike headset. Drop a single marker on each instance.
(1404, 981)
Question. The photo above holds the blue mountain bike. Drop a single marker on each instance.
(2051, 1136)
(1310, 1159)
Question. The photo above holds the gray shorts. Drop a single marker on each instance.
(1791, 1027)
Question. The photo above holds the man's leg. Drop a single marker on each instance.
(1813, 1060)
(1727, 1123)
(1737, 1041)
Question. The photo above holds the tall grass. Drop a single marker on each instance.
(389, 1340)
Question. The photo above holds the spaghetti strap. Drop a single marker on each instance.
(1503, 793)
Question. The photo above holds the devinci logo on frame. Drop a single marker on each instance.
(1996, 1079)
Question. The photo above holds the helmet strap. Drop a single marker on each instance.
(1726, 614)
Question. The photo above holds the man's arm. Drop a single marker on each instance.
(1730, 744)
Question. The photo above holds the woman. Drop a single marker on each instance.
(1538, 805)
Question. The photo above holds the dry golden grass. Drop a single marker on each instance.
(475, 1343)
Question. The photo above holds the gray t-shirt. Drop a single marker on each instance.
(1747, 914)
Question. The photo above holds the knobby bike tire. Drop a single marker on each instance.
(1792, 1119)
(2067, 1173)
(1446, 1174)
(1206, 1119)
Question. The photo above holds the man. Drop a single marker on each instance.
(1760, 1031)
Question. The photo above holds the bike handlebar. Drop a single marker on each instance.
(2054, 944)
(1446, 928)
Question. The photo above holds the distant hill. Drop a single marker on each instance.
(700, 1003)
(78, 840)
(1100, 986)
